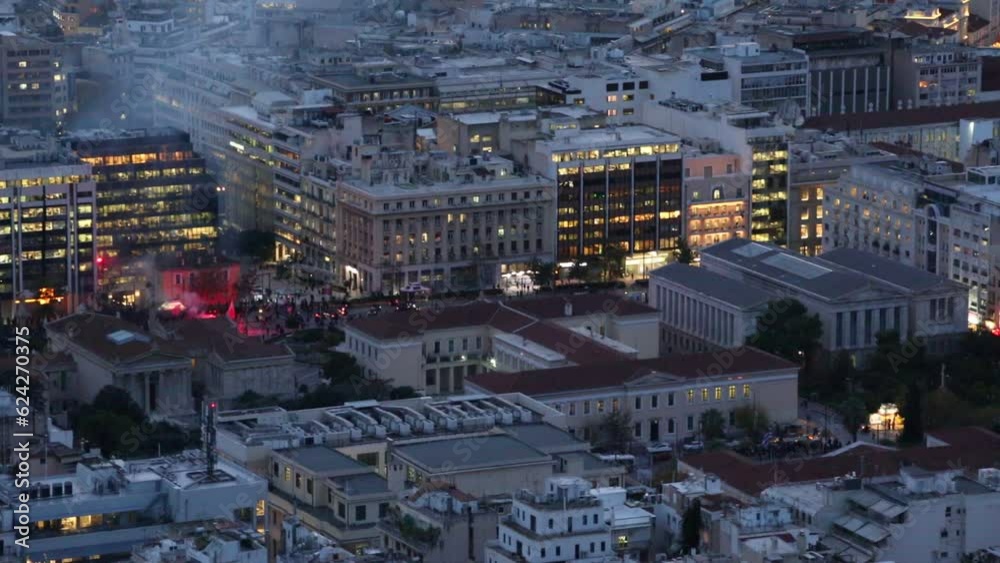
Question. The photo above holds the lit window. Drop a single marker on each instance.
(718, 393)
(746, 390)
(732, 392)
(22, 64)
(690, 395)
(704, 394)
(612, 99)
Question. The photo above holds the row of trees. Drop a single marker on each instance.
(614, 432)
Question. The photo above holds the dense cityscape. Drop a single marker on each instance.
(500, 281)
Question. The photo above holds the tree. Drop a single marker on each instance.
(712, 425)
(752, 420)
(258, 245)
(403, 392)
(913, 415)
(545, 273)
(855, 415)
(341, 368)
(117, 400)
(691, 527)
(614, 432)
(613, 262)
(788, 330)
(578, 272)
(684, 254)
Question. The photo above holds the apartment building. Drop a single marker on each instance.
(48, 209)
(442, 523)
(927, 76)
(919, 514)
(855, 294)
(330, 493)
(434, 351)
(616, 186)
(464, 226)
(716, 199)
(34, 86)
(564, 522)
(104, 508)
(760, 141)
(664, 397)
(154, 193)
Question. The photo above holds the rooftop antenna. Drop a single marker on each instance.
(208, 436)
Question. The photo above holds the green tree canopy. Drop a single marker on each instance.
(787, 329)
(713, 426)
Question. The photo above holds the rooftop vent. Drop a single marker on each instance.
(121, 337)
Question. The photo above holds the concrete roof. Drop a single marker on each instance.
(822, 279)
(468, 453)
(713, 285)
(324, 460)
(889, 271)
(547, 438)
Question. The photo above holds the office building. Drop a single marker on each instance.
(757, 137)
(154, 195)
(465, 225)
(616, 187)
(849, 68)
(766, 80)
(34, 86)
(664, 396)
(49, 233)
(435, 353)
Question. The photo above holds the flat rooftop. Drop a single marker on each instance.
(324, 460)
(713, 285)
(608, 137)
(470, 453)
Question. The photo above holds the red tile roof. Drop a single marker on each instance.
(524, 317)
(91, 331)
(971, 448)
(598, 375)
(904, 118)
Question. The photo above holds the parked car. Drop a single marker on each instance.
(659, 448)
(695, 446)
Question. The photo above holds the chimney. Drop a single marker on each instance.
(568, 308)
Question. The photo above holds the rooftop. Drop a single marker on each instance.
(323, 460)
(680, 368)
(969, 448)
(112, 339)
(627, 135)
(713, 285)
(905, 118)
(470, 453)
(888, 271)
(823, 279)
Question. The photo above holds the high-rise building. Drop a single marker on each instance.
(33, 85)
(154, 195)
(47, 227)
(755, 136)
(618, 186)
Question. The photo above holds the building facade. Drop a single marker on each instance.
(34, 86)
(49, 245)
(616, 187)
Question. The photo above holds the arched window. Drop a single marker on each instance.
(717, 193)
